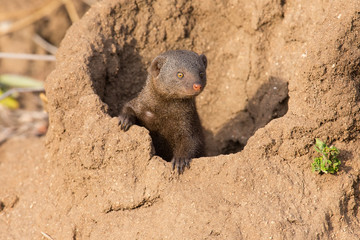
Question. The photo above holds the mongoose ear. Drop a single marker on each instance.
(204, 59)
(156, 65)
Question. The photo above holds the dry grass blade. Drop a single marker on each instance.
(89, 2)
(5, 134)
(12, 15)
(47, 236)
(26, 56)
(44, 44)
(28, 20)
(70, 7)
(44, 101)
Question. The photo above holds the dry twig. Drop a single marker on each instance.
(70, 7)
(26, 56)
(44, 44)
(46, 236)
(12, 15)
(29, 19)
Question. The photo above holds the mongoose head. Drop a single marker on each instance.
(178, 74)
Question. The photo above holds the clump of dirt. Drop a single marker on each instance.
(280, 74)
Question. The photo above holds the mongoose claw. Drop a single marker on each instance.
(180, 164)
(125, 122)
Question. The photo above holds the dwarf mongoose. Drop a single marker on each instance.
(166, 106)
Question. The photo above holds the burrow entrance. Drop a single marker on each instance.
(131, 37)
(124, 75)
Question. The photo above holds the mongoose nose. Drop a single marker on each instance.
(197, 87)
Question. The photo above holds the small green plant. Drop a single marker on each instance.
(328, 162)
(11, 84)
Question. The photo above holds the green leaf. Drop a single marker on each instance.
(318, 150)
(320, 144)
(328, 162)
(13, 81)
(9, 102)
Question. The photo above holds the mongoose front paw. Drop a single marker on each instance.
(125, 122)
(180, 164)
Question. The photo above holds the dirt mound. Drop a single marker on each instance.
(280, 74)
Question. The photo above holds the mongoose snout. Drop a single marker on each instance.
(197, 87)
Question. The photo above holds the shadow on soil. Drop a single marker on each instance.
(269, 102)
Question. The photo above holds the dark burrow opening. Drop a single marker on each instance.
(269, 102)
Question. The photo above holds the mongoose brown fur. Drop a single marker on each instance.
(166, 106)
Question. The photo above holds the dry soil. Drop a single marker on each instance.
(280, 74)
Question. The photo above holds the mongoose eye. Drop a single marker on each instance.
(180, 75)
(201, 74)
